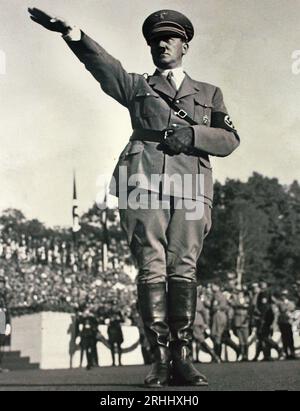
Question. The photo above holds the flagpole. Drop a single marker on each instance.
(105, 236)
(75, 216)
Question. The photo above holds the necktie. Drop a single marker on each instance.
(170, 78)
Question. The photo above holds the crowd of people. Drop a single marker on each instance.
(238, 317)
(81, 255)
(57, 275)
(230, 316)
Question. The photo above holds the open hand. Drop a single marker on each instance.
(49, 22)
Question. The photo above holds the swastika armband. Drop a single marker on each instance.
(222, 120)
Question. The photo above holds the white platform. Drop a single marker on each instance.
(46, 338)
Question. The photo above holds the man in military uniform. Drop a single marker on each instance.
(5, 327)
(222, 314)
(265, 326)
(86, 337)
(201, 327)
(285, 322)
(240, 301)
(115, 338)
(177, 123)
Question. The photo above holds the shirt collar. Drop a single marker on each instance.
(178, 75)
(178, 71)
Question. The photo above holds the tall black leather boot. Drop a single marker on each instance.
(182, 299)
(218, 349)
(152, 299)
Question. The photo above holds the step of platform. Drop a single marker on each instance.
(12, 360)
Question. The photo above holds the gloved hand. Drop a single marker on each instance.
(49, 22)
(180, 140)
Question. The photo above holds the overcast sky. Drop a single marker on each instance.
(54, 117)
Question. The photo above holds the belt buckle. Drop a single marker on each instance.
(167, 133)
(181, 113)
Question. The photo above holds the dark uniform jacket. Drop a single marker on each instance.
(148, 111)
(114, 331)
(86, 328)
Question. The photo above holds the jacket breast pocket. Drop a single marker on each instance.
(202, 113)
(132, 148)
(147, 104)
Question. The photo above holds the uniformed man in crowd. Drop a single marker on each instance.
(222, 316)
(86, 336)
(115, 338)
(201, 328)
(254, 293)
(219, 319)
(285, 322)
(240, 301)
(5, 326)
(177, 124)
(265, 326)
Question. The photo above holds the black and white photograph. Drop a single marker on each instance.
(150, 198)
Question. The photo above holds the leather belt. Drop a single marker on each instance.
(158, 136)
(153, 136)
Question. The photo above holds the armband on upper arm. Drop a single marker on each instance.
(222, 120)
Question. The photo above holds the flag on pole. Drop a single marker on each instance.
(75, 216)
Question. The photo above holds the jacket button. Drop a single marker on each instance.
(177, 101)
